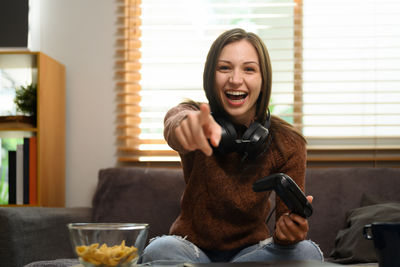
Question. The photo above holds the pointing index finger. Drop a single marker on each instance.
(205, 113)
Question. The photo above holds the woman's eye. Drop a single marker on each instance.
(249, 69)
(223, 68)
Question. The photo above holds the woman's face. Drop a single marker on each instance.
(238, 80)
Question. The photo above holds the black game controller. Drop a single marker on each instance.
(288, 191)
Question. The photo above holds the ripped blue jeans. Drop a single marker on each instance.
(170, 250)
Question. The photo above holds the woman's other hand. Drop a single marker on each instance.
(291, 228)
(197, 128)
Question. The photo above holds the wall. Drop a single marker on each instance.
(81, 35)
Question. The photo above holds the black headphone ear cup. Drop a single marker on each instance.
(257, 137)
(249, 132)
(228, 137)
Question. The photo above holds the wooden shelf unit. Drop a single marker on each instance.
(50, 127)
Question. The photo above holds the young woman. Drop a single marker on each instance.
(225, 146)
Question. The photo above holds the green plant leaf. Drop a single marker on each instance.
(26, 99)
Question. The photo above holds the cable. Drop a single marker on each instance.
(270, 214)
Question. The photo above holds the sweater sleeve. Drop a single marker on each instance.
(172, 120)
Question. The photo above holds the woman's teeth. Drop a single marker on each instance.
(236, 95)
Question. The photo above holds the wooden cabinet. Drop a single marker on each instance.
(50, 123)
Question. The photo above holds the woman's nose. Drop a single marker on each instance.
(236, 77)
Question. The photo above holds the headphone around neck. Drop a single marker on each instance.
(253, 143)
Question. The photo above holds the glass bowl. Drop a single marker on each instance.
(108, 244)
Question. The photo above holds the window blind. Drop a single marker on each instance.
(176, 36)
(351, 77)
(127, 75)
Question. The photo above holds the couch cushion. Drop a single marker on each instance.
(139, 195)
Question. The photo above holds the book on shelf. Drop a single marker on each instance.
(20, 171)
(25, 169)
(33, 170)
(20, 174)
(12, 177)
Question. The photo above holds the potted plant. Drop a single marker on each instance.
(26, 102)
(25, 99)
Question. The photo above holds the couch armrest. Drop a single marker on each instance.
(30, 234)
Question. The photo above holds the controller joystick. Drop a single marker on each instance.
(288, 191)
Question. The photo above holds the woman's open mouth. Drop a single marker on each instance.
(236, 97)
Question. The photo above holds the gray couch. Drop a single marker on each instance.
(152, 195)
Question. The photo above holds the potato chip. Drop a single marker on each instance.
(107, 256)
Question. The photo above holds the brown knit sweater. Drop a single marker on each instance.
(219, 210)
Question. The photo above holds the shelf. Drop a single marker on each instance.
(49, 75)
(16, 129)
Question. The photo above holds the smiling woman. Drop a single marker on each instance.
(221, 160)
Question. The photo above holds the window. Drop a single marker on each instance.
(351, 68)
(335, 67)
